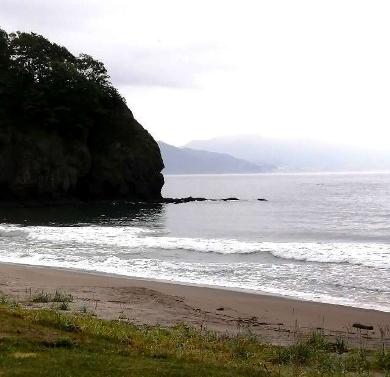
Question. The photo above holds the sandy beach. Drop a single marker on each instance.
(276, 319)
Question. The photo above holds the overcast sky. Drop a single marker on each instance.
(199, 69)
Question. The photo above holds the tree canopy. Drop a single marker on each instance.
(65, 131)
(43, 85)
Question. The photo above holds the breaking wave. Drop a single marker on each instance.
(106, 239)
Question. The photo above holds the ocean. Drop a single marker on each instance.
(318, 237)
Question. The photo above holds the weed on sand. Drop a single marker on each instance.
(44, 297)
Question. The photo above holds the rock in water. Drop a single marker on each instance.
(66, 134)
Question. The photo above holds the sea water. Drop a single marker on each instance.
(319, 237)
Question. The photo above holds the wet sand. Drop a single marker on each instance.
(276, 319)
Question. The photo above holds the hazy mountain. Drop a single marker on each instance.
(190, 161)
(301, 155)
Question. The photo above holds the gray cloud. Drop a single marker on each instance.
(55, 16)
(171, 67)
(78, 26)
(285, 70)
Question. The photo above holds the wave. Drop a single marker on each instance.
(283, 279)
(364, 254)
(339, 272)
(12, 232)
(111, 240)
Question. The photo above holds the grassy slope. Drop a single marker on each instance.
(57, 343)
(48, 343)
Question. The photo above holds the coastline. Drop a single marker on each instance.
(276, 319)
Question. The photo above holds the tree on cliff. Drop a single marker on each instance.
(45, 85)
(48, 93)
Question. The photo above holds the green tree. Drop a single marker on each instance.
(43, 85)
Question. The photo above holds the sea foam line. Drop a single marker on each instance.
(262, 281)
(104, 239)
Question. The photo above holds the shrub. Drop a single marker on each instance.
(63, 306)
(41, 297)
(62, 297)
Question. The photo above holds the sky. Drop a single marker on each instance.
(200, 69)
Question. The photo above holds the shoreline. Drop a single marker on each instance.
(277, 319)
(185, 284)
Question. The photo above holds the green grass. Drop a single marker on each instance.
(63, 306)
(43, 297)
(44, 342)
(62, 297)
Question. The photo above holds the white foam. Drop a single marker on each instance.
(286, 279)
(354, 274)
(364, 254)
(105, 239)
(12, 231)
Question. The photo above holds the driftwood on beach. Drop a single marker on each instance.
(362, 327)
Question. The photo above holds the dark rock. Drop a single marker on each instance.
(66, 135)
(41, 167)
(220, 308)
(190, 199)
(262, 200)
(181, 200)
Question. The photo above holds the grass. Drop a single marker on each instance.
(51, 342)
(63, 306)
(43, 297)
(62, 297)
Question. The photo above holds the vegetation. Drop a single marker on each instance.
(43, 85)
(43, 297)
(65, 132)
(54, 343)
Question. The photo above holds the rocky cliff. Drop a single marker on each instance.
(65, 133)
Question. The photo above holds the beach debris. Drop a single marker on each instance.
(362, 327)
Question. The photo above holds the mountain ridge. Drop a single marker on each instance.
(189, 161)
(296, 154)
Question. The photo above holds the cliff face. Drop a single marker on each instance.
(39, 167)
(65, 134)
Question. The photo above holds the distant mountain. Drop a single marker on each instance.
(190, 161)
(296, 155)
